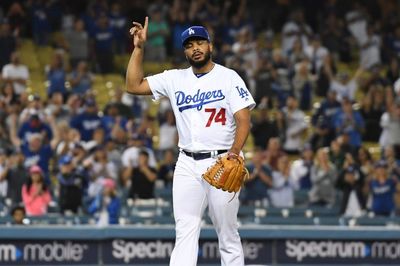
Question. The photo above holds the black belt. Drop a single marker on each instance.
(202, 155)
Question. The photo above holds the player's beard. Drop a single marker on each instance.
(200, 63)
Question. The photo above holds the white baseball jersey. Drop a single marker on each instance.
(204, 106)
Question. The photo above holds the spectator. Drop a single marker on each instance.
(16, 177)
(394, 45)
(382, 188)
(300, 169)
(303, 85)
(370, 50)
(4, 168)
(323, 178)
(113, 120)
(281, 191)
(316, 53)
(35, 125)
(295, 126)
(157, 34)
(372, 109)
(118, 23)
(130, 156)
(336, 39)
(393, 71)
(107, 204)
(8, 95)
(100, 166)
(71, 186)
(256, 187)
(297, 53)
(35, 105)
(18, 215)
(103, 38)
(342, 84)
(179, 24)
(356, 20)
(78, 43)
(281, 84)
(390, 123)
(365, 161)
(264, 75)
(142, 178)
(263, 128)
(295, 28)
(37, 152)
(56, 75)
(16, 16)
(87, 121)
(273, 153)
(56, 109)
(81, 79)
(8, 43)
(166, 169)
(322, 121)
(35, 194)
(168, 133)
(351, 183)
(16, 73)
(349, 121)
(41, 27)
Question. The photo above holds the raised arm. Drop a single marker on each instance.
(135, 81)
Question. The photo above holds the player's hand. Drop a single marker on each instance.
(139, 33)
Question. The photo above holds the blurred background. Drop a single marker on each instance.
(324, 148)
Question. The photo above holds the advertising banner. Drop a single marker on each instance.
(145, 251)
(300, 251)
(39, 252)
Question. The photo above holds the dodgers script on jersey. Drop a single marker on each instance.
(204, 106)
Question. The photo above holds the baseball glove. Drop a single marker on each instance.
(227, 174)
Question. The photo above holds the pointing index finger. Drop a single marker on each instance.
(146, 23)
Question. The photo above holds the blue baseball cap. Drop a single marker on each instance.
(66, 159)
(195, 31)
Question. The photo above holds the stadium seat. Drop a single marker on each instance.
(286, 221)
(377, 221)
(164, 193)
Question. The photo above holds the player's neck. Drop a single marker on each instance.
(205, 69)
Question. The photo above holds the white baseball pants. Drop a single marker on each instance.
(191, 195)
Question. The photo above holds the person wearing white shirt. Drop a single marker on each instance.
(281, 193)
(211, 104)
(295, 126)
(168, 133)
(293, 29)
(316, 53)
(16, 73)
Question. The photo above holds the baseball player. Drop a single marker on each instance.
(212, 108)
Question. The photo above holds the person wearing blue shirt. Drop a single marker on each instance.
(88, 121)
(81, 79)
(322, 121)
(32, 126)
(106, 205)
(383, 187)
(112, 119)
(37, 153)
(56, 76)
(40, 23)
(103, 37)
(256, 187)
(118, 24)
(350, 122)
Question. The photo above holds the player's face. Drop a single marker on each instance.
(198, 52)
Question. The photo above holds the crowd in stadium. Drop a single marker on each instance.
(325, 76)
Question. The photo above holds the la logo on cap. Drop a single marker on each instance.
(191, 31)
